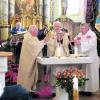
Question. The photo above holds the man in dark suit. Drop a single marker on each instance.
(41, 35)
(42, 32)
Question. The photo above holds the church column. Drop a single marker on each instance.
(56, 9)
(40, 13)
(11, 8)
(11, 12)
(4, 19)
(1, 17)
(41, 7)
(46, 9)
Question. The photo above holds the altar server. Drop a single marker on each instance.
(86, 41)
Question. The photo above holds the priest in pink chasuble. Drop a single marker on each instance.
(31, 48)
(86, 41)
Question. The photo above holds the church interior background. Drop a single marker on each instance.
(70, 12)
(46, 11)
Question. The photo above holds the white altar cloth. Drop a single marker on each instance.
(64, 60)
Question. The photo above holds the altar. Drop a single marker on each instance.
(71, 60)
(64, 60)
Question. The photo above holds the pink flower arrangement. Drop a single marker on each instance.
(64, 79)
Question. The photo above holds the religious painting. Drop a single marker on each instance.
(97, 25)
(25, 5)
(99, 7)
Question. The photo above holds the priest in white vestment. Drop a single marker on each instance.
(86, 41)
(31, 48)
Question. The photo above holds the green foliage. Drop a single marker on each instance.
(64, 79)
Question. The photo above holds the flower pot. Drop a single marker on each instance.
(61, 94)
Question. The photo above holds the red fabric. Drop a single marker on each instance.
(46, 91)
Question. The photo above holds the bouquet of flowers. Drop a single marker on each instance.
(64, 79)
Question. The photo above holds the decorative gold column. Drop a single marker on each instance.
(38, 18)
(64, 4)
(33, 16)
(21, 18)
(1, 12)
(4, 19)
(11, 13)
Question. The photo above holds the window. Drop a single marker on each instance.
(76, 10)
(73, 6)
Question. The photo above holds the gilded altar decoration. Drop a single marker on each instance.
(29, 13)
(27, 5)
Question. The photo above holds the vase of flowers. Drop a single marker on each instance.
(64, 80)
(61, 94)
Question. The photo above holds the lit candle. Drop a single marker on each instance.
(75, 85)
(75, 88)
(75, 50)
(58, 51)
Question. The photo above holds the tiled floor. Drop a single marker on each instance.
(93, 97)
(81, 98)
